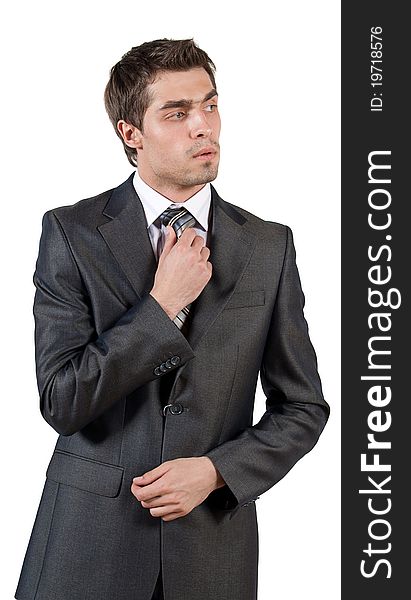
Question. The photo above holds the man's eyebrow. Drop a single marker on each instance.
(186, 103)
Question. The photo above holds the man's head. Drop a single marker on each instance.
(162, 101)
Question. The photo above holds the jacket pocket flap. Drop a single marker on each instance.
(85, 473)
(246, 298)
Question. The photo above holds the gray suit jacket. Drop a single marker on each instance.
(103, 345)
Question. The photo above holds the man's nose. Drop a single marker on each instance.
(200, 127)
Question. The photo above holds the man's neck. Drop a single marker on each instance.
(170, 191)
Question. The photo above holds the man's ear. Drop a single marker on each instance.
(131, 135)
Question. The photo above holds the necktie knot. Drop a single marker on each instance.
(178, 217)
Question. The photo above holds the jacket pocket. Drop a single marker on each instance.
(85, 473)
(246, 298)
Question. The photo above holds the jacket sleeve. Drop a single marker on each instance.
(256, 459)
(81, 374)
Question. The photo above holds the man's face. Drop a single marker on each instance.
(181, 122)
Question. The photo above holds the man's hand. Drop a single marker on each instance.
(183, 270)
(175, 487)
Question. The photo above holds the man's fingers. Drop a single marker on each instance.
(205, 252)
(146, 492)
(141, 493)
(152, 475)
(186, 238)
(156, 501)
(166, 512)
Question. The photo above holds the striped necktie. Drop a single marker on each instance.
(179, 218)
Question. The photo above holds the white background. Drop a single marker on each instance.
(278, 78)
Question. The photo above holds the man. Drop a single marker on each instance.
(157, 305)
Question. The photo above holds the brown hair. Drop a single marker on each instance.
(127, 97)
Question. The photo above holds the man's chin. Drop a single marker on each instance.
(209, 173)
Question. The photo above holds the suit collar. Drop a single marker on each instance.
(231, 240)
(155, 203)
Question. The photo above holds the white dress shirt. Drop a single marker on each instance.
(155, 203)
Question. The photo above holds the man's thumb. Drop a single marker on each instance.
(167, 244)
(169, 235)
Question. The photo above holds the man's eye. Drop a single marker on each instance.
(177, 115)
(211, 106)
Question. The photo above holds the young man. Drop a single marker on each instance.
(157, 305)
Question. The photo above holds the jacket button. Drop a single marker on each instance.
(175, 409)
(163, 367)
(175, 360)
(169, 364)
(157, 371)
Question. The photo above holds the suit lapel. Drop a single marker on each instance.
(231, 244)
(231, 241)
(127, 237)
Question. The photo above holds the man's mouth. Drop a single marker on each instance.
(205, 154)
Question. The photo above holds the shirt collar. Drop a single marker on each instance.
(155, 203)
